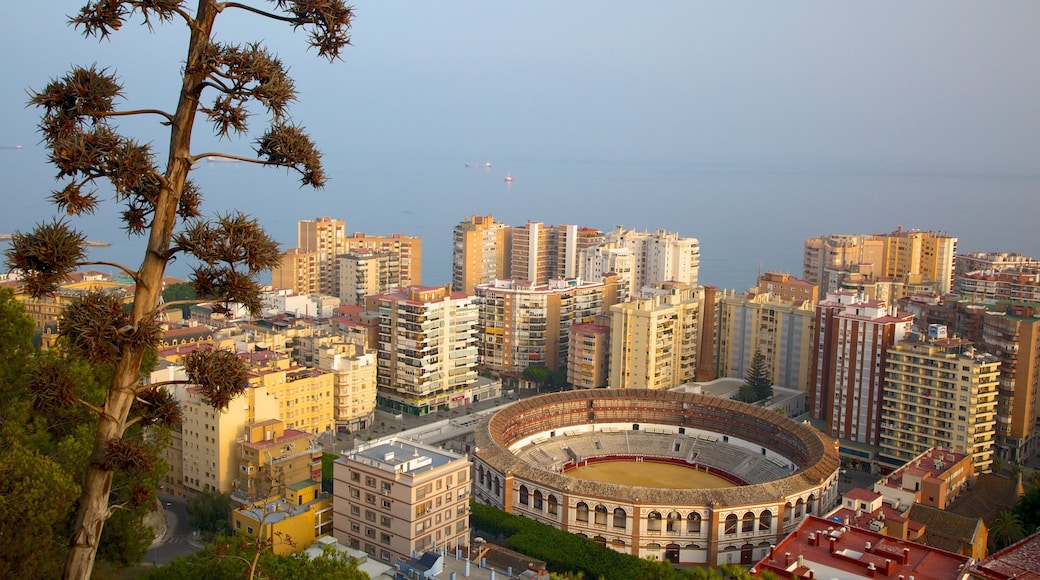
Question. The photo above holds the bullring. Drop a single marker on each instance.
(782, 471)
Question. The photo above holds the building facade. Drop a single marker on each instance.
(427, 353)
(396, 497)
(939, 392)
(642, 259)
(851, 340)
(522, 323)
(911, 259)
(363, 272)
(778, 327)
(588, 354)
(480, 252)
(654, 340)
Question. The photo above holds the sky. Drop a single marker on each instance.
(939, 91)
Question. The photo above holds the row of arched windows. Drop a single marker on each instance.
(540, 503)
(488, 481)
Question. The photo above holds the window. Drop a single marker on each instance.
(386, 504)
(693, 523)
(525, 497)
(355, 493)
(620, 518)
(674, 522)
(748, 522)
(538, 503)
(384, 521)
(653, 522)
(582, 512)
(355, 476)
(554, 506)
(731, 524)
(601, 515)
(355, 510)
(355, 527)
(249, 530)
(238, 524)
(765, 520)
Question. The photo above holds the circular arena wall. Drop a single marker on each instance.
(522, 454)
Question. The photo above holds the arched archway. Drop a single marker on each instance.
(693, 523)
(731, 524)
(765, 520)
(653, 522)
(747, 523)
(674, 522)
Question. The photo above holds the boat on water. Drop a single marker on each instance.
(485, 164)
(509, 178)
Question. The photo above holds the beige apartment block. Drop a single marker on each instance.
(313, 266)
(354, 382)
(654, 341)
(523, 323)
(427, 353)
(852, 336)
(939, 392)
(210, 438)
(968, 262)
(363, 272)
(539, 253)
(480, 252)
(588, 354)
(779, 327)
(395, 497)
(917, 259)
(1011, 331)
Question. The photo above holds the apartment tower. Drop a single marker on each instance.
(427, 347)
(523, 323)
(480, 252)
(654, 341)
(938, 392)
(852, 338)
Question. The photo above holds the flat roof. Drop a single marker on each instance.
(402, 455)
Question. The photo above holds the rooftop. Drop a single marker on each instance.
(402, 455)
(1020, 561)
(819, 548)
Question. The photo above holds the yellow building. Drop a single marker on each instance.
(914, 258)
(654, 341)
(313, 266)
(291, 523)
(779, 328)
(269, 456)
(480, 252)
(304, 395)
(46, 310)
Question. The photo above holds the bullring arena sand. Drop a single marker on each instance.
(649, 474)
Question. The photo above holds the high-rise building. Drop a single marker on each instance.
(852, 337)
(1020, 284)
(313, 266)
(540, 253)
(654, 342)
(394, 498)
(780, 328)
(1011, 331)
(904, 261)
(788, 288)
(588, 354)
(427, 349)
(363, 272)
(642, 259)
(480, 252)
(939, 392)
(523, 323)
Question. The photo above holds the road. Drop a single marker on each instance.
(178, 539)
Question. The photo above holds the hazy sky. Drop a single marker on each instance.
(944, 87)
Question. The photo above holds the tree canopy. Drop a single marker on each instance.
(757, 385)
(223, 84)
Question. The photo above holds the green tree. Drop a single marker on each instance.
(229, 558)
(219, 82)
(209, 512)
(1027, 508)
(538, 374)
(1005, 530)
(757, 384)
(182, 293)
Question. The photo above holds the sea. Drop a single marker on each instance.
(749, 218)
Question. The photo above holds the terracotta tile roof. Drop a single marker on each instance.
(1020, 561)
(948, 531)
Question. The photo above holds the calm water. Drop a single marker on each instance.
(748, 219)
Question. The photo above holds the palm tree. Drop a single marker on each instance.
(1005, 530)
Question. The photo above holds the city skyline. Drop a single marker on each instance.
(718, 120)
